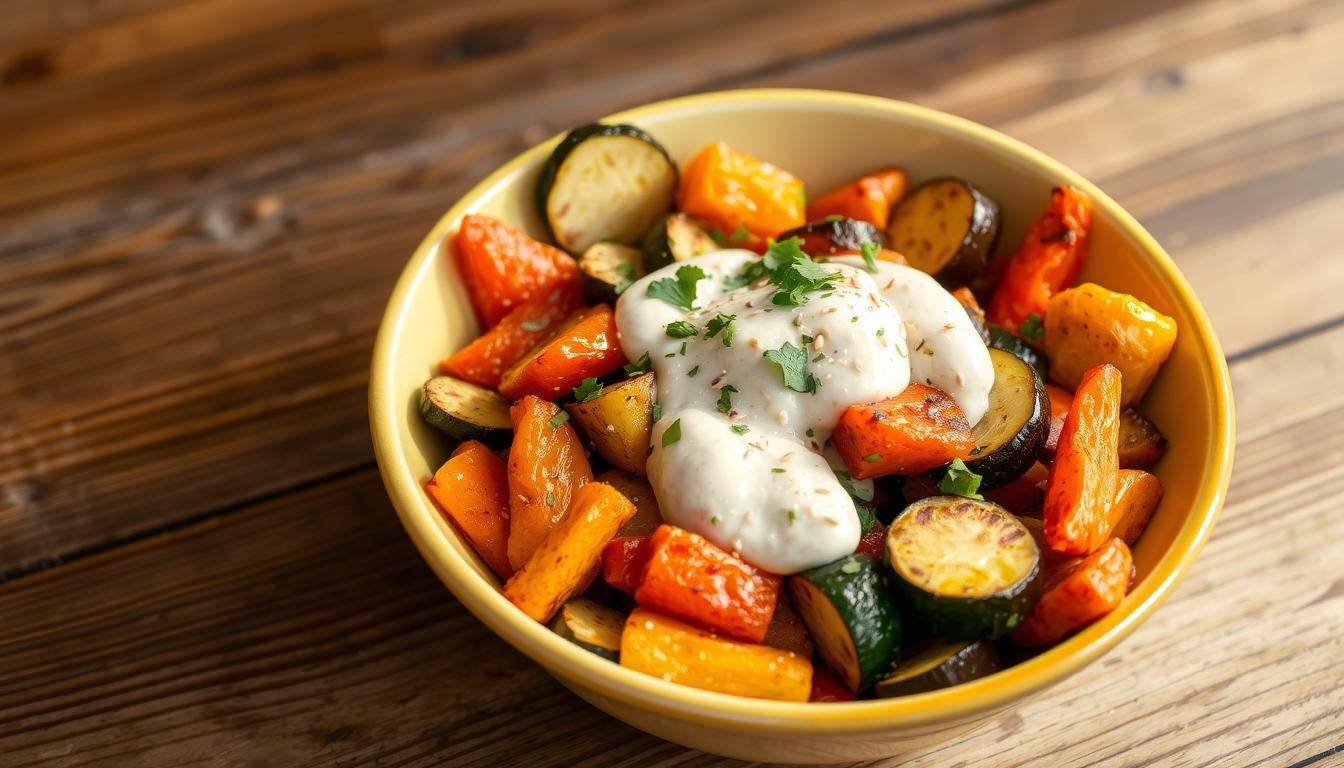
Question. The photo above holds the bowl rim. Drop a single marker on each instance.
(590, 672)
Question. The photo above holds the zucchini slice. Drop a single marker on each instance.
(1002, 338)
(940, 666)
(608, 269)
(465, 411)
(591, 626)
(945, 227)
(605, 182)
(851, 616)
(676, 237)
(1013, 430)
(831, 236)
(967, 569)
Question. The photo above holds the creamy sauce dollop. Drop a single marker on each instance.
(750, 475)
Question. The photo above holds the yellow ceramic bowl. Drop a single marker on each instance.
(825, 138)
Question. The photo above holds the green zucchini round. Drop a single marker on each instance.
(605, 182)
(947, 228)
(607, 270)
(940, 666)
(676, 237)
(833, 235)
(465, 411)
(851, 616)
(966, 569)
(1013, 430)
(1002, 338)
(591, 626)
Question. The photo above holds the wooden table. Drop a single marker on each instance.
(203, 205)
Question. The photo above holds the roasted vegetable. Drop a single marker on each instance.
(1023, 494)
(869, 198)
(503, 268)
(1078, 511)
(547, 466)
(1079, 594)
(605, 182)
(623, 562)
(968, 302)
(1002, 338)
(945, 227)
(690, 577)
(618, 422)
(1061, 400)
(825, 688)
(647, 516)
(585, 345)
(731, 189)
(915, 431)
(591, 626)
(484, 360)
(1013, 430)
(663, 647)
(829, 237)
(465, 411)
(1137, 495)
(967, 569)
(675, 237)
(1142, 444)
(472, 490)
(1047, 261)
(787, 630)
(940, 666)
(568, 558)
(850, 617)
(1089, 325)
(608, 269)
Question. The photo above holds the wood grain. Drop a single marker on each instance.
(306, 631)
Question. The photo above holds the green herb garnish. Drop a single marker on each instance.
(558, 419)
(657, 411)
(960, 480)
(792, 362)
(680, 329)
(680, 290)
(740, 429)
(869, 253)
(795, 273)
(532, 326)
(873, 458)
(693, 371)
(588, 389)
(1032, 329)
(777, 470)
(725, 403)
(550, 498)
(721, 323)
(739, 235)
(642, 365)
(627, 273)
(672, 434)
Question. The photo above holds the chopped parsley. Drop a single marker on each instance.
(869, 253)
(810, 432)
(807, 339)
(713, 519)
(790, 269)
(642, 365)
(1032, 329)
(550, 498)
(672, 434)
(740, 429)
(777, 470)
(873, 458)
(693, 371)
(657, 411)
(558, 419)
(680, 329)
(793, 516)
(532, 326)
(717, 236)
(960, 480)
(792, 363)
(627, 273)
(833, 217)
(862, 497)
(678, 291)
(721, 324)
(725, 403)
(588, 389)
(739, 235)
(851, 567)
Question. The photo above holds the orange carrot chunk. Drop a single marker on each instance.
(1061, 400)
(1047, 261)
(689, 577)
(868, 198)
(1078, 595)
(484, 360)
(584, 346)
(1137, 495)
(623, 562)
(920, 429)
(734, 192)
(567, 560)
(547, 466)
(472, 490)
(1079, 515)
(503, 268)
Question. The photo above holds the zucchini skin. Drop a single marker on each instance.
(599, 283)
(978, 242)
(862, 601)
(597, 611)
(659, 249)
(460, 429)
(963, 618)
(1002, 338)
(961, 663)
(1012, 459)
(573, 139)
(827, 237)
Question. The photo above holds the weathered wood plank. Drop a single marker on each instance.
(307, 632)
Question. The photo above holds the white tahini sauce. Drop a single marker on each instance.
(769, 493)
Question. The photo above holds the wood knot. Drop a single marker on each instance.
(27, 67)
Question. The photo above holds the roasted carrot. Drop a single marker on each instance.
(868, 198)
(732, 190)
(689, 577)
(664, 647)
(1061, 400)
(920, 429)
(472, 490)
(503, 268)
(1078, 511)
(1079, 595)
(623, 562)
(647, 517)
(484, 360)
(787, 630)
(547, 466)
(1137, 495)
(584, 345)
(1046, 262)
(1024, 493)
(566, 561)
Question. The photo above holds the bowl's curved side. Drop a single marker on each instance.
(401, 447)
